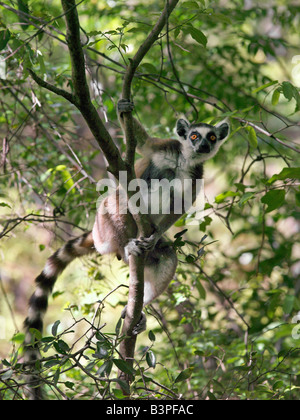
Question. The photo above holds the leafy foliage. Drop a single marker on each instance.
(227, 327)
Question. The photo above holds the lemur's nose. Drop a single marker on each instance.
(204, 147)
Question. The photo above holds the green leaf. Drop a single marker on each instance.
(7, 375)
(265, 86)
(5, 362)
(18, 338)
(297, 197)
(275, 97)
(4, 38)
(220, 17)
(56, 376)
(69, 384)
(197, 35)
(105, 368)
(246, 197)
(184, 375)
(190, 5)
(277, 385)
(54, 328)
(124, 366)
(288, 304)
(190, 258)
(42, 65)
(118, 326)
(56, 294)
(35, 333)
(288, 90)
(291, 173)
(252, 137)
(151, 359)
(61, 346)
(181, 233)
(66, 177)
(148, 68)
(180, 222)
(207, 221)
(222, 197)
(52, 363)
(23, 7)
(274, 199)
(211, 396)
(118, 393)
(201, 290)
(151, 336)
(4, 205)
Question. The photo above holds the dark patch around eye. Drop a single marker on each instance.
(211, 136)
(194, 136)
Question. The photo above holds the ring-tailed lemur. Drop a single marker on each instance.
(162, 158)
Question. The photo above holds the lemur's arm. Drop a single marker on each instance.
(164, 225)
(140, 133)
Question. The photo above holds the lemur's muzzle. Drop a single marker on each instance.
(204, 147)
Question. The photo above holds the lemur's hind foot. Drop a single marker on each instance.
(125, 106)
(140, 326)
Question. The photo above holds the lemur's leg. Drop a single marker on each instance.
(114, 226)
(160, 267)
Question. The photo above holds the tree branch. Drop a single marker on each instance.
(266, 133)
(82, 92)
(61, 92)
(130, 72)
(136, 264)
(81, 97)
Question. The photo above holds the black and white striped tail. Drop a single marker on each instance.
(38, 303)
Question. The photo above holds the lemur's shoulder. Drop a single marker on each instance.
(161, 152)
(157, 145)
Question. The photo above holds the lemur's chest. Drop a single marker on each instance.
(171, 181)
(173, 165)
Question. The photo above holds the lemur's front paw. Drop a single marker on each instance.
(147, 244)
(125, 106)
(140, 326)
(133, 248)
(138, 246)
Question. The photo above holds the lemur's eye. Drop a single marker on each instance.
(194, 136)
(212, 137)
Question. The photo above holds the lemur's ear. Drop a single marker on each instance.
(223, 130)
(182, 128)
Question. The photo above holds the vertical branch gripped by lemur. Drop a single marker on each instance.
(136, 263)
(80, 97)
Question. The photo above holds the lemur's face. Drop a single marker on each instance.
(202, 139)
